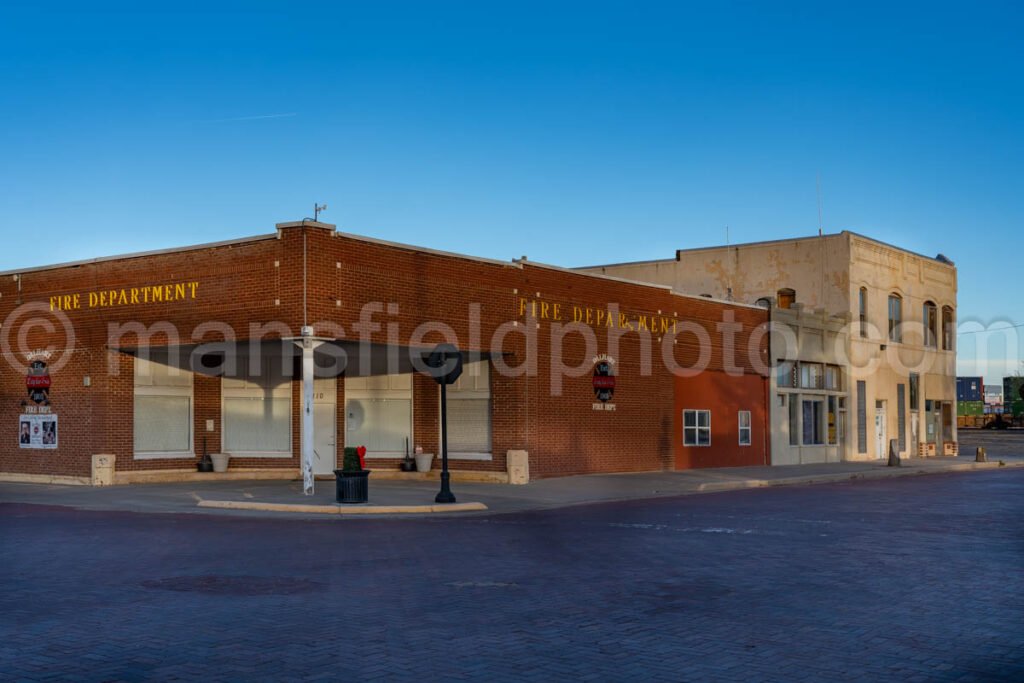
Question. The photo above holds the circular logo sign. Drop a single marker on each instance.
(604, 381)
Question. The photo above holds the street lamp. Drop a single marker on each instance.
(445, 365)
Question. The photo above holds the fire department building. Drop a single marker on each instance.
(147, 362)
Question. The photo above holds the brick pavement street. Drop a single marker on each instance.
(914, 578)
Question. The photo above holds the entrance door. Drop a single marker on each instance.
(325, 411)
(880, 430)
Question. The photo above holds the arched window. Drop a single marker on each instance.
(895, 318)
(948, 328)
(930, 320)
(863, 303)
(786, 298)
(764, 302)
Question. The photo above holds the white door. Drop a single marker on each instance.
(880, 435)
(325, 401)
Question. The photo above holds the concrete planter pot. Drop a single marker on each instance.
(220, 461)
(424, 461)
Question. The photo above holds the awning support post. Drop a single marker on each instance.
(308, 344)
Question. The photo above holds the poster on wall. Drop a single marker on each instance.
(37, 431)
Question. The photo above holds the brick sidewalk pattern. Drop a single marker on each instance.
(911, 579)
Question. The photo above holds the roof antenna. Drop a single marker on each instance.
(317, 208)
(727, 235)
(818, 182)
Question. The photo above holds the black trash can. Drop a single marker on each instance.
(352, 487)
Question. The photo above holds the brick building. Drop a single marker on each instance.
(153, 358)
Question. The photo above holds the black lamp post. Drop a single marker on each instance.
(445, 366)
(445, 495)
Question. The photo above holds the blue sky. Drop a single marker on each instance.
(574, 133)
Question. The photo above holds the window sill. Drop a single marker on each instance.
(163, 456)
(470, 456)
(258, 454)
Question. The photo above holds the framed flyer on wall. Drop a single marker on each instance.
(37, 431)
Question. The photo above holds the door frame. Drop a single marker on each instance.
(327, 396)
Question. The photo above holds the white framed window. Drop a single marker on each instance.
(378, 414)
(696, 427)
(163, 411)
(744, 425)
(256, 409)
(469, 413)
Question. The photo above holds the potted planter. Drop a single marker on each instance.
(352, 484)
(220, 461)
(424, 461)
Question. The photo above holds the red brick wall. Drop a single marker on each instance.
(724, 396)
(261, 282)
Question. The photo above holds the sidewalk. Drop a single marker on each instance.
(390, 497)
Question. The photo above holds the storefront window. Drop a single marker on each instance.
(258, 409)
(469, 411)
(813, 423)
(832, 421)
(163, 410)
(378, 414)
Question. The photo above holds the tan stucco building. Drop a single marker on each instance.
(864, 340)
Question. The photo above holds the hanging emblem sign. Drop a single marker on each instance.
(37, 381)
(603, 382)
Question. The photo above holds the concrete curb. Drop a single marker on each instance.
(339, 509)
(711, 487)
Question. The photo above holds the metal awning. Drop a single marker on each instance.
(333, 357)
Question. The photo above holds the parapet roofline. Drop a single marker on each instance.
(639, 283)
(809, 238)
(137, 254)
(514, 263)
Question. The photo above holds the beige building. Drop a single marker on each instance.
(863, 345)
